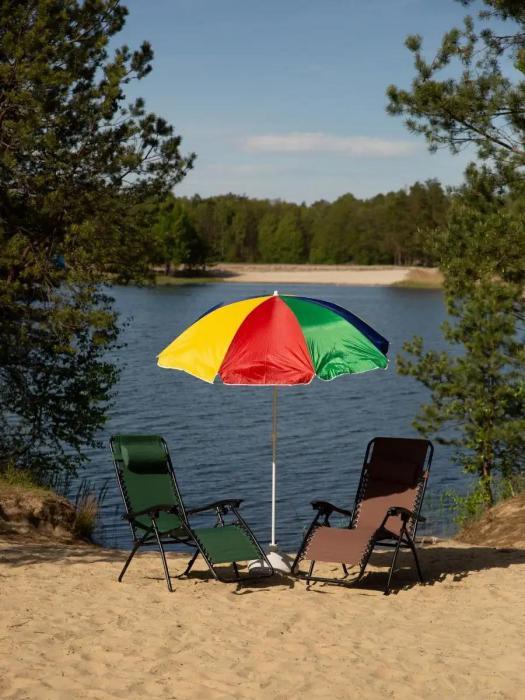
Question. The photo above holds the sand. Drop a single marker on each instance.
(314, 274)
(69, 630)
(353, 275)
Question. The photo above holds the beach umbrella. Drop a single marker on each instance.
(277, 340)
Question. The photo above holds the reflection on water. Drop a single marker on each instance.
(220, 436)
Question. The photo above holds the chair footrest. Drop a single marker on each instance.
(226, 544)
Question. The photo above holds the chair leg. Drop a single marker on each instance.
(416, 558)
(211, 567)
(190, 564)
(303, 544)
(394, 559)
(310, 571)
(163, 556)
(128, 560)
(236, 569)
(345, 570)
(295, 563)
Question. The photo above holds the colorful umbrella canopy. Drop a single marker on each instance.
(276, 340)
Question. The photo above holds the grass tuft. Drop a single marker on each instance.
(19, 479)
(87, 507)
(421, 279)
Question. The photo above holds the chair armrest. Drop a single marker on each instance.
(224, 504)
(152, 511)
(326, 508)
(405, 514)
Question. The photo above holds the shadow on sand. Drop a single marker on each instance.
(439, 563)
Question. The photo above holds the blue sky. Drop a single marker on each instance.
(287, 99)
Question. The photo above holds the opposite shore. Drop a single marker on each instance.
(358, 275)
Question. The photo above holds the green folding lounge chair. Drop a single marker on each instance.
(386, 511)
(157, 516)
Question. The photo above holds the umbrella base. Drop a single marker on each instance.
(281, 562)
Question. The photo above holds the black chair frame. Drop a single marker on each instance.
(153, 537)
(406, 539)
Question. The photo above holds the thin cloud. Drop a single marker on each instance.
(242, 169)
(317, 142)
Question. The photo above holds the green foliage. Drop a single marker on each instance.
(281, 236)
(467, 508)
(177, 241)
(477, 389)
(267, 247)
(81, 177)
(471, 507)
(483, 104)
(20, 478)
(333, 233)
(512, 486)
(387, 229)
(189, 249)
(56, 378)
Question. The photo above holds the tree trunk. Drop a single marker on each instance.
(486, 484)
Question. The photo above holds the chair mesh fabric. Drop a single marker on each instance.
(147, 479)
(335, 544)
(393, 477)
(226, 544)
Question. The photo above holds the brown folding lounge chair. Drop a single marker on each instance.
(386, 511)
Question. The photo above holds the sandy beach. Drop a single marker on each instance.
(353, 275)
(315, 274)
(70, 630)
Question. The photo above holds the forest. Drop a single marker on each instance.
(387, 229)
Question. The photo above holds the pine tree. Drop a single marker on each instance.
(289, 237)
(188, 248)
(479, 389)
(81, 175)
(267, 237)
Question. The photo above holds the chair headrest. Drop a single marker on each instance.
(143, 454)
(398, 460)
(394, 471)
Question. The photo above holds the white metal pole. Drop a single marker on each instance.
(274, 458)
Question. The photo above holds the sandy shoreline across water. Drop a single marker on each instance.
(354, 275)
(315, 274)
(70, 630)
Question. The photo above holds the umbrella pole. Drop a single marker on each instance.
(281, 562)
(274, 458)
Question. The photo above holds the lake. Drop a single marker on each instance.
(220, 436)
